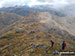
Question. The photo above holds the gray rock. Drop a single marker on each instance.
(14, 55)
(48, 36)
(9, 43)
(38, 36)
(9, 50)
(58, 44)
(9, 38)
(10, 47)
(18, 46)
(41, 40)
(20, 31)
(41, 45)
(74, 47)
(56, 52)
(56, 36)
(33, 45)
(32, 32)
(32, 50)
(44, 46)
(40, 55)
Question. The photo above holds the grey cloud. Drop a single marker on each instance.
(45, 0)
(69, 1)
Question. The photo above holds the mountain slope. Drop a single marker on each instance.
(24, 38)
(25, 10)
(7, 19)
(66, 23)
(33, 30)
(50, 21)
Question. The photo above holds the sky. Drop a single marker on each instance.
(56, 3)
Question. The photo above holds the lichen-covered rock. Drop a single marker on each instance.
(38, 36)
(48, 36)
(33, 45)
(7, 37)
(32, 50)
(32, 32)
(20, 31)
(14, 55)
(56, 36)
(58, 44)
(44, 46)
(56, 52)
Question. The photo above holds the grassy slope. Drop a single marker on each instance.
(20, 43)
(7, 19)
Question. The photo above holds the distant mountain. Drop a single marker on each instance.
(22, 11)
(25, 10)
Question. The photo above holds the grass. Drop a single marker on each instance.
(21, 42)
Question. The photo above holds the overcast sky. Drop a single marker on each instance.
(56, 3)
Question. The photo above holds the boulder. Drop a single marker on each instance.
(14, 55)
(10, 47)
(38, 36)
(56, 52)
(44, 46)
(58, 44)
(48, 36)
(9, 38)
(41, 45)
(33, 45)
(32, 32)
(20, 31)
(56, 36)
(9, 50)
(32, 50)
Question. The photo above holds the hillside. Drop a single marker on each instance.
(7, 19)
(59, 16)
(19, 40)
(66, 23)
(35, 29)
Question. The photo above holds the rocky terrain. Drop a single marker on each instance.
(31, 36)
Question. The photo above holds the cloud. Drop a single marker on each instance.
(55, 3)
(8, 3)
